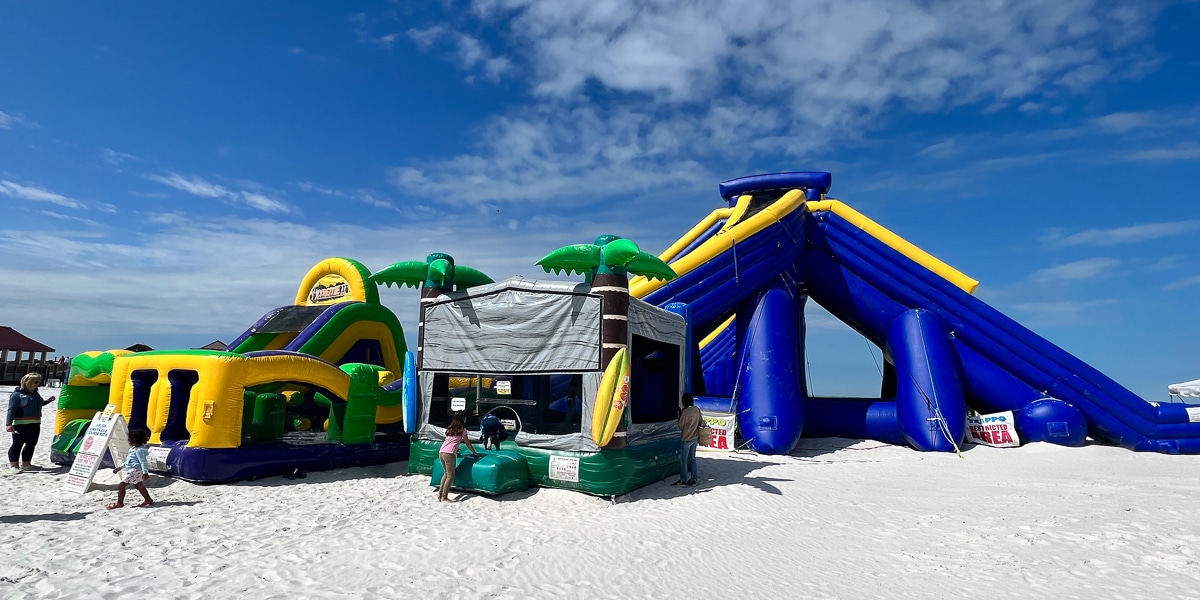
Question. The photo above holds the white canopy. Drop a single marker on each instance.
(1189, 389)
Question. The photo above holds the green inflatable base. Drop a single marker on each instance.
(604, 473)
(492, 473)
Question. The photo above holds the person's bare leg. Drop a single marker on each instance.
(141, 487)
(120, 496)
(448, 465)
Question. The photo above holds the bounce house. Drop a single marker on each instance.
(313, 385)
(585, 379)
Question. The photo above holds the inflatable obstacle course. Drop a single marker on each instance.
(330, 360)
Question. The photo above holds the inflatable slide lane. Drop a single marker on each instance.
(746, 271)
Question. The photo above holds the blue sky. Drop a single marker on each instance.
(169, 172)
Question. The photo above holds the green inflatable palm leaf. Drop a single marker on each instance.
(465, 277)
(618, 252)
(441, 273)
(411, 273)
(614, 254)
(650, 266)
(576, 258)
(437, 270)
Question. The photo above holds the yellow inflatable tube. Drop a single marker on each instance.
(735, 229)
(738, 229)
(695, 232)
(897, 243)
(712, 336)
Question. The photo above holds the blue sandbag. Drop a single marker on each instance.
(494, 472)
(1052, 420)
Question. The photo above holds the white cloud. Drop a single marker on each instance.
(469, 51)
(60, 216)
(265, 204)
(366, 28)
(198, 186)
(1080, 79)
(1080, 270)
(113, 157)
(1170, 263)
(575, 159)
(364, 196)
(944, 149)
(204, 275)
(779, 80)
(28, 192)
(864, 52)
(1183, 283)
(1124, 122)
(195, 186)
(1181, 151)
(1121, 235)
(7, 121)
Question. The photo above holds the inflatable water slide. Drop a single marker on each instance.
(312, 385)
(747, 270)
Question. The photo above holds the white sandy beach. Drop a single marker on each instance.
(835, 519)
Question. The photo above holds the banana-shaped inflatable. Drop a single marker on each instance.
(611, 398)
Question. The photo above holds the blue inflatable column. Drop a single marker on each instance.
(410, 397)
(689, 351)
(853, 418)
(930, 403)
(770, 388)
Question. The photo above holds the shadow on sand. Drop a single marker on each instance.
(155, 482)
(734, 468)
(387, 471)
(14, 519)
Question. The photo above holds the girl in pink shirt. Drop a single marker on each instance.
(456, 433)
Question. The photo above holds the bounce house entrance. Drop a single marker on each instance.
(531, 403)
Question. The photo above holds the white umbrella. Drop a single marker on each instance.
(1189, 389)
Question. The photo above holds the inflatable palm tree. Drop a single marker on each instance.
(436, 275)
(607, 265)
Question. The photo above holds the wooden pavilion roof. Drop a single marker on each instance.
(11, 339)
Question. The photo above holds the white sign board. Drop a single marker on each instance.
(156, 458)
(564, 468)
(103, 434)
(1193, 413)
(996, 429)
(724, 427)
(503, 387)
(458, 404)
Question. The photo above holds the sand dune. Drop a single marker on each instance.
(836, 519)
